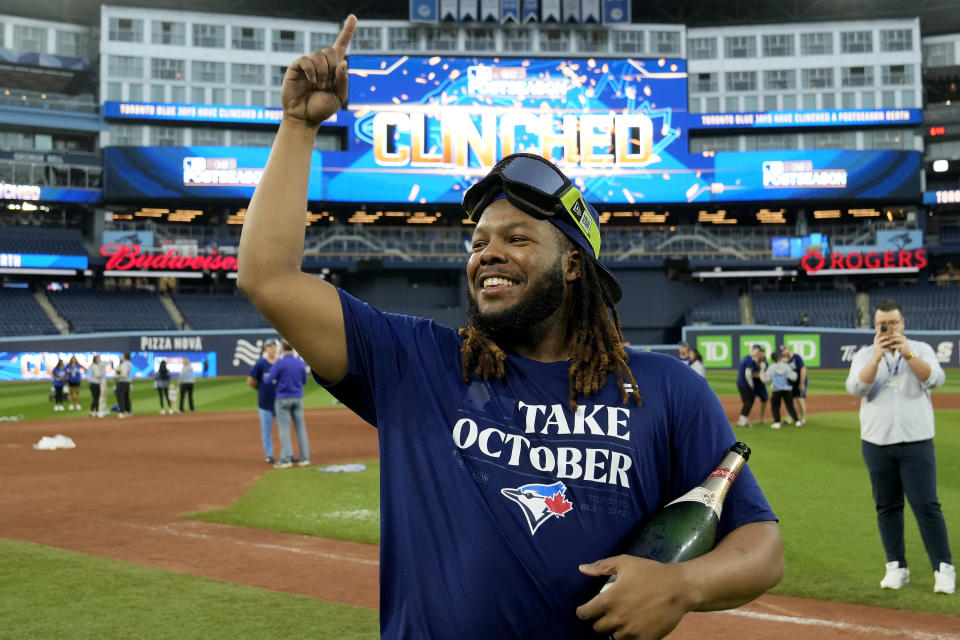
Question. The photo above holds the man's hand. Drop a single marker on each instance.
(898, 342)
(645, 603)
(881, 344)
(315, 85)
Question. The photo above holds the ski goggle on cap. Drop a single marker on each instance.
(537, 187)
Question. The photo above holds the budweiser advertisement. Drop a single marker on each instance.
(131, 257)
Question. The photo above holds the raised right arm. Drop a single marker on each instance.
(304, 309)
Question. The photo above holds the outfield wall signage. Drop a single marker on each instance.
(211, 353)
(426, 128)
(819, 347)
(37, 365)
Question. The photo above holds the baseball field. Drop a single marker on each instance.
(164, 526)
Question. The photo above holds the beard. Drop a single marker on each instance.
(525, 321)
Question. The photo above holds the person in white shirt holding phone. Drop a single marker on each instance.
(893, 379)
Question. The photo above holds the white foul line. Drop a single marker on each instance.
(259, 545)
(846, 626)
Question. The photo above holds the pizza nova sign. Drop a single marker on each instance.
(864, 262)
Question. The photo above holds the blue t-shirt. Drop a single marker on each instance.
(74, 373)
(796, 363)
(747, 363)
(492, 493)
(265, 390)
(59, 375)
(288, 375)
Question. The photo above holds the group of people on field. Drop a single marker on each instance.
(787, 377)
(68, 378)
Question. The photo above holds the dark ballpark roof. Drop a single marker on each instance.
(936, 16)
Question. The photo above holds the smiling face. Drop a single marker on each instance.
(518, 276)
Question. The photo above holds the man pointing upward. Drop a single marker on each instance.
(505, 499)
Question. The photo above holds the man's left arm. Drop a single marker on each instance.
(925, 366)
(649, 598)
(922, 362)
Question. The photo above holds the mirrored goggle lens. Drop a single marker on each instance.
(535, 173)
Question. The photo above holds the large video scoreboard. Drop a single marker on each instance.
(422, 129)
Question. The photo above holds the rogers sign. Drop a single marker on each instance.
(122, 257)
(814, 261)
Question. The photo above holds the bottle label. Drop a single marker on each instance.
(704, 496)
(725, 474)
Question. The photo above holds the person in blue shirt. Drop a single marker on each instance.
(748, 373)
(259, 379)
(74, 379)
(288, 375)
(799, 388)
(519, 453)
(759, 385)
(59, 377)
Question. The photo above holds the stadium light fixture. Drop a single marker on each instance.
(941, 166)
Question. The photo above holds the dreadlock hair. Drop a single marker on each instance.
(596, 350)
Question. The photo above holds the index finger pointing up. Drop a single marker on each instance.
(346, 35)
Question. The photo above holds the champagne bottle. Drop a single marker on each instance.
(687, 527)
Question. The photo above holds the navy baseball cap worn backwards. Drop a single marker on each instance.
(537, 187)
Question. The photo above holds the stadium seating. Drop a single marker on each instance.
(930, 308)
(67, 242)
(21, 315)
(725, 311)
(219, 311)
(949, 235)
(89, 311)
(813, 308)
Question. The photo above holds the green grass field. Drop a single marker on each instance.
(823, 382)
(51, 593)
(344, 506)
(814, 478)
(32, 399)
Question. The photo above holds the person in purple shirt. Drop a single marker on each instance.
(288, 375)
(747, 373)
(519, 453)
(259, 379)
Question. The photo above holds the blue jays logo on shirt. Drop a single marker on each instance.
(540, 502)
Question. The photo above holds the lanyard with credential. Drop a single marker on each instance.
(892, 378)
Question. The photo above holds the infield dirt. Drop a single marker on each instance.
(121, 492)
